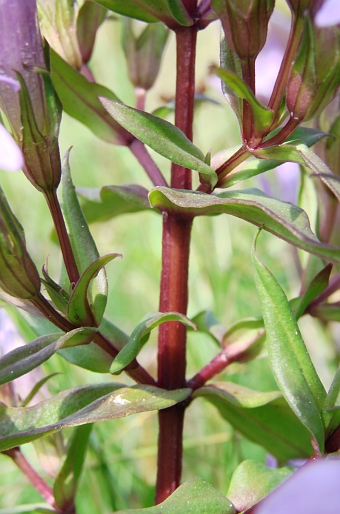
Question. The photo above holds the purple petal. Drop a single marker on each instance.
(12, 83)
(10, 155)
(314, 489)
(329, 14)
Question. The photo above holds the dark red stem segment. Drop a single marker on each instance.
(174, 282)
(35, 479)
(64, 241)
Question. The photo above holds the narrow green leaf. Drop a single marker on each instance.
(82, 243)
(66, 482)
(302, 155)
(78, 307)
(31, 508)
(290, 361)
(111, 201)
(161, 136)
(137, 338)
(36, 389)
(146, 10)
(262, 116)
(316, 287)
(180, 13)
(193, 497)
(264, 418)
(23, 359)
(206, 322)
(79, 406)
(79, 98)
(282, 219)
(252, 481)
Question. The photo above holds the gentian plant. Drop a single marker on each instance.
(243, 363)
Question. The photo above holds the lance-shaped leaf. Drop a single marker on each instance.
(262, 417)
(79, 310)
(302, 155)
(192, 497)
(252, 481)
(82, 243)
(316, 287)
(206, 322)
(140, 336)
(79, 406)
(79, 98)
(170, 12)
(262, 116)
(66, 482)
(293, 369)
(36, 508)
(25, 358)
(161, 136)
(110, 201)
(283, 219)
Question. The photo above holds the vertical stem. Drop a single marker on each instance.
(248, 74)
(64, 241)
(174, 282)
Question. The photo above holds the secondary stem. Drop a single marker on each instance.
(174, 281)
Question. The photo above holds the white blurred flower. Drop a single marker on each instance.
(10, 155)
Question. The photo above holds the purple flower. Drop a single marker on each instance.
(10, 156)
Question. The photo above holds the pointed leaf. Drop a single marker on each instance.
(82, 243)
(111, 201)
(206, 322)
(66, 482)
(78, 305)
(161, 136)
(79, 406)
(252, 481)
(180, 13)
(264, 418)
(315, 288)
(36, 389)
(290, 361)
(23, 359)
(282, 219)
(262, 116)
(193, 497)
(302, 155)
(137, 338)
(79, 98)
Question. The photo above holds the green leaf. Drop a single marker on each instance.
(79, 406)
(66, 482)
(302, 155)
(91, 356)
(332, 404)
(264, 418)
(23, 359)
(263, 117)
(252, 481)
(111, 201)
(290, 361)
(36, 389)
(78, 307)
(150, 10)
(193, 497)
(138, 337)
(161, 136)
(282, 219)
(82, 243)
(79, 98)
(206, 322)
(315, 288)
(180, 13)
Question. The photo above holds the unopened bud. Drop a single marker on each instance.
(144, 53)
(245, 24)
(18, 274)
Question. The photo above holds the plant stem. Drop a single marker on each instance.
(174, 282)
(64, 241)
(36, 480)
(145, 160)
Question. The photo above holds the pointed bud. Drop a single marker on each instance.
(245, 24)
(90, 17)
(315, 76)
(144, 52)
(18, 274)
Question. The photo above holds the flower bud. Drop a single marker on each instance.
(315, 75)
(298, 7)
(33, 113)
(245, 24)
(143, 53)
(18, 274)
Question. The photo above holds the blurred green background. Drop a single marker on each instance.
(121, 462)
